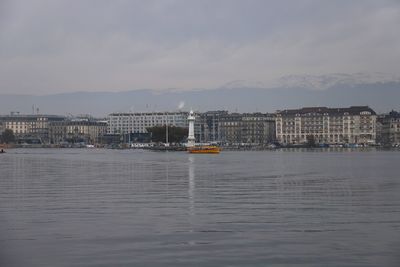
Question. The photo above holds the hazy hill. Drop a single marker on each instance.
(382, 96)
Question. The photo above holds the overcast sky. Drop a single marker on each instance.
(64, 46)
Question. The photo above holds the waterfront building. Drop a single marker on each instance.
(253, 129)
(388, 129)
(230, 129)
(207, 126)
(124, 123)
(322, 125)
(87, 131)
(381, 120)
(30, 126)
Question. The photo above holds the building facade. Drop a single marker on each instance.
(389, 129)
(124, 123)
(254, 129)
(353, 125)
(77, 131)
(35, 126)
(207, 126)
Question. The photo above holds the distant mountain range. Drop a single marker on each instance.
(318, 82)
(323, 82)
(380, 91)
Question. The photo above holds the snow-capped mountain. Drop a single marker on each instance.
(379, 91)
(316, 82)
(243, 84)
(322, 82)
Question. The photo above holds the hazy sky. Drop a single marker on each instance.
(64, 46)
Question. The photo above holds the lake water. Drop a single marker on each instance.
(82, 207)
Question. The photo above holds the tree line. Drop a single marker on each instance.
(175, 134)
(7, 136)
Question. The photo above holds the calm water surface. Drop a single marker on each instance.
(82, 207)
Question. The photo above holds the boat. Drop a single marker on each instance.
(191, 144)
(204, 150)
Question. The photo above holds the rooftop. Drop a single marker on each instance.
(353, 110)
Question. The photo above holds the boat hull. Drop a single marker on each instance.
(204, 150)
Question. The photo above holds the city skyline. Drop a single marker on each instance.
(354, 125)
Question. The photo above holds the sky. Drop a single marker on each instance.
(51, 46)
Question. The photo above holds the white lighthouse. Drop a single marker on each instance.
(191, 139)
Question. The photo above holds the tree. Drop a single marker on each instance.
(7, 136)
(175, 134)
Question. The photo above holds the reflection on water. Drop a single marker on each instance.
(134, 208)
(192, 185)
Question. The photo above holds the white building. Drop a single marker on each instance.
(124, 123)
(353, 125)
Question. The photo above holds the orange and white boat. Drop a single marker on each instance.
(204, 150)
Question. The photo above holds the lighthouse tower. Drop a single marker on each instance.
(191, 139)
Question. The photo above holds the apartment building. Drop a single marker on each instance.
(255, 129)
(36, 126)
(353, 125)
(124, 123)
(388, 132)
(73, 131)
(207, 126)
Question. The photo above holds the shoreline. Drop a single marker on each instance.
(230, 149)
